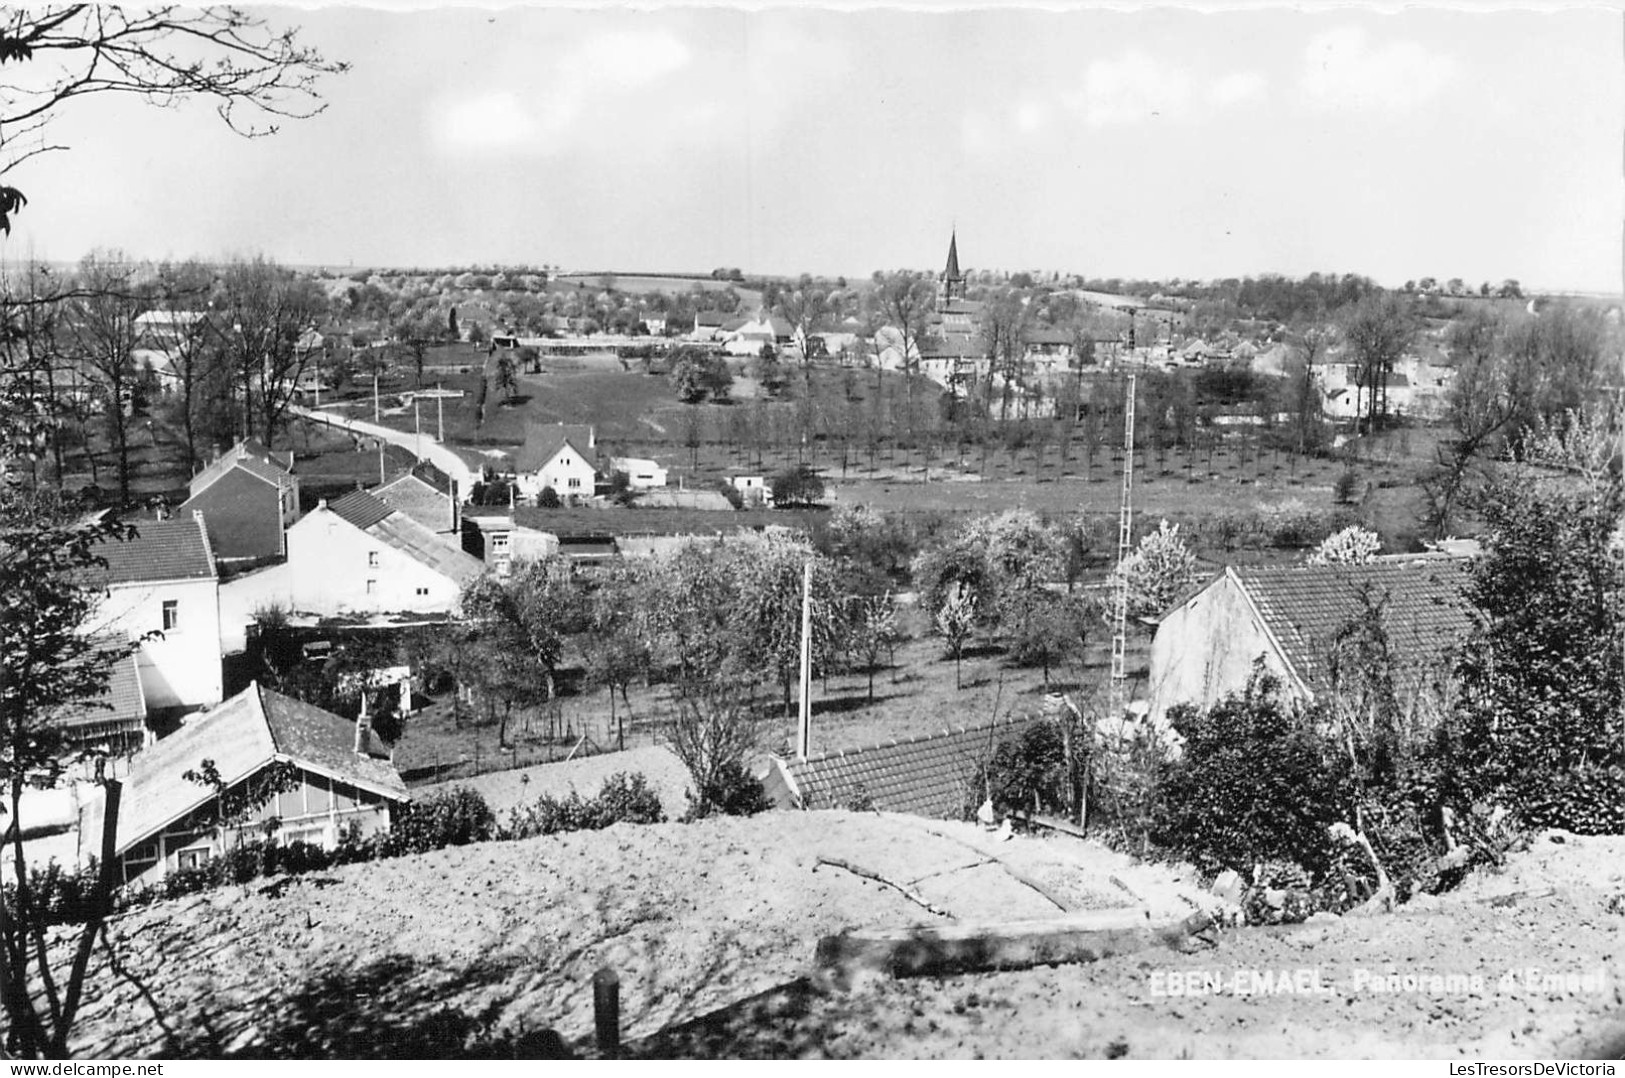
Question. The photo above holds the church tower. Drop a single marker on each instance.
(951, 285)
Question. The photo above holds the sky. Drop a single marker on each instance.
(1155, 142)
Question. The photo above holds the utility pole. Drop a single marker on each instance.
(380, 462)
(1125, 529)
(440, 413)
(375, 416)
(417, 425)
(804, 725)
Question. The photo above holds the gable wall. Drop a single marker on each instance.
(1205, 650)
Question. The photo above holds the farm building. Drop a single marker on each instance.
(248, 497)
(335, 779)
(161, 587)
(939, 775)
(1291, 618)
(641, 473)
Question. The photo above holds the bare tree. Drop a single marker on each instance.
(1378, 330)
(264, 310)
(103, 331)
(904, 301)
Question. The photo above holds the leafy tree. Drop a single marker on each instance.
(874, 630)
(796, 487)
(1542, 681)
(696, 374)
(955, 620)
(617, 644)
(507, 382)
(1354, 545)
(1160, 568)
(765, 618)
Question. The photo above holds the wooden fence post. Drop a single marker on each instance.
(606, 1011)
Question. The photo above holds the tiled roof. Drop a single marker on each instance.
(542, 444)
(1425, 609)
(308, 735)
(403, 533)
(249, 455)
(243, 515)
(175, 549)
(710, 318)
(360, 508)
(418, 499)
(932, 776)
(413, 539)
(123, 699)
(241, 735)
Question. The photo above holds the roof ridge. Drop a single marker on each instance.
(257, 690)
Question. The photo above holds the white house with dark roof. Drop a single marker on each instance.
(340, 778)
(1290, 618)
(562, 456)
(162, 588)
(358, 555)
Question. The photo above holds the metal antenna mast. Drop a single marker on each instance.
(1125, 528)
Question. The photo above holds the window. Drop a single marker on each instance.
(423, 592)
(372, 559)
(172, 614)
(372, 587)
(193, 858)
(499, 542)
(575, 482)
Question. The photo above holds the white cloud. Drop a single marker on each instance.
(1030, 115)
(1236, 88)
(1133, 87)
(489, 121)
(1343, 70)
(541, 109)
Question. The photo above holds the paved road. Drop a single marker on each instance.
(418, 445)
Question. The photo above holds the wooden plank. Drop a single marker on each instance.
(936, 950)
(1050, 823)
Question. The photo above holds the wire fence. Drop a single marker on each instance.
(483, 760)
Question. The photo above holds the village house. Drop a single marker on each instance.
(1291, 617)
(248, 497)
(162, 588)
(707, 324)
(359, 555)
(748, 337)
(754, 489)
(562, 456)
(492, 536)
(336, 777)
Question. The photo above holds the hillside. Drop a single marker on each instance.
(425, 956)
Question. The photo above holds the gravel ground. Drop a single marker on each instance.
(707, 923)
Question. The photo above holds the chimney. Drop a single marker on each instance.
(363, 728)
(214, 452)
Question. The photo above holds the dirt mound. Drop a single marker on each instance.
(501, 939)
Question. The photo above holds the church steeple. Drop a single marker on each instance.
(951, 285)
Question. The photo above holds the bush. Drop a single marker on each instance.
(1255, 783)
(733, 792)
(547, 499)
(1345, 487)
(454, 817)
(623, 798)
